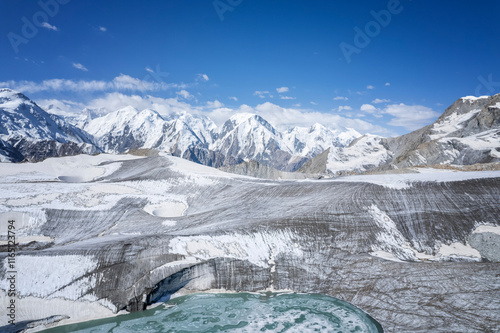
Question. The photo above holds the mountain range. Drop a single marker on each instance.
(468, 132)
(243, 137)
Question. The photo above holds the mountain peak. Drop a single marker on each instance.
(11, 99)
(128, 109)
(473, 98)
(239, 118)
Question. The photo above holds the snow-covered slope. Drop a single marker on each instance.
(365, 153)
(28, 132)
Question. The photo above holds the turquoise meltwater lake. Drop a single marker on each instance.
(238, 312)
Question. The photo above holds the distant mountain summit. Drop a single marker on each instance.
(27, 132)
(250, 137)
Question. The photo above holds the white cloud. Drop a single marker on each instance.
(340, 98)
(286, 97)
(368, 108)
(262, 94)
(121, 82)
(214, 105)
(344, 107)
(115, 101)
(202, 77)
(80, 67)
(378, 100)
(370, 87)
(313, 103)
(410, 117)
(185, 94)
(282, 90)
(49, 26)
(60, 107)
(103, 29)
(387, 84)
(233, 98)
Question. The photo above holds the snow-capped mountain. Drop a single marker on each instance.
(311, 141)
(243, 137)
(128, 128)
(28, 132)
(250, 137)
(468, 132)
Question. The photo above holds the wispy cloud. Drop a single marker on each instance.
(370, 87)
(202, 77)
(286, 97)
(80, 67)
(185, 94)
(119, 83)
(387, 84)
(368, 108)
(233, 98)
(378, 100)
(262, 93)
(214, 104)
(340, 98)
(313, 103)
(49, 26)
(344, 107)
(282, 90)
(103, 29)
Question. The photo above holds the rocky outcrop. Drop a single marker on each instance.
(257, 170)
(316, 165)
(205, 156)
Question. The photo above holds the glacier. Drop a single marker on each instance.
(415, 251)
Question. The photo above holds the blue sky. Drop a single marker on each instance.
(333, 60)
